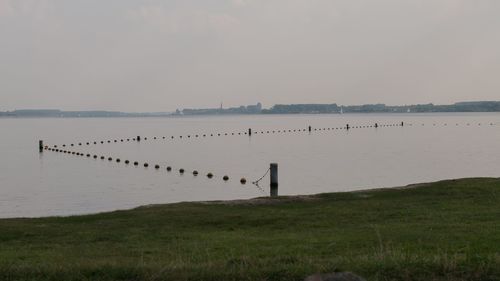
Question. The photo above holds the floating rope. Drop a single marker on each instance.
(256, 183)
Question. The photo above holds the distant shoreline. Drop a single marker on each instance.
(233, 115)
(459, 107)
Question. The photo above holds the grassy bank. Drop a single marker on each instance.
(441, 231)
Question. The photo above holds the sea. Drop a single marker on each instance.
(402, 149)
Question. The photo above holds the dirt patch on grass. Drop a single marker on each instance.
(265, 200)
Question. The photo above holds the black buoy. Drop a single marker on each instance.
(118, 160)
(126, 161)
(210, 175)
(102, 157)
(95, 156)
(243, 181)
(225, 178)
(146, 164)
(110, 159)
(88, 155)
(157, 166)
(169, 168)
(181, 171)
(195, 173)
(136, 163)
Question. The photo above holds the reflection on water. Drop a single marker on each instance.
(50, 183)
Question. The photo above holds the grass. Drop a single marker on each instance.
(448, 230)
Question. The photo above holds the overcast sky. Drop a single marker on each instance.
(148, 55)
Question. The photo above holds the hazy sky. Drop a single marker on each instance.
(148, 55)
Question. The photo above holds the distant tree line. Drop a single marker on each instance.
(482, 106)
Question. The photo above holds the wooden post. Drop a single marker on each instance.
(402, 124)
(310, 129)
(40, 145)
(347, 127)
(138, 138)
(376, 125)
(249, 131)
(274, 179)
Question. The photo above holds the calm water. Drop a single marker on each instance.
(34, 184)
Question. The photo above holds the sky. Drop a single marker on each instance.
(151, 55)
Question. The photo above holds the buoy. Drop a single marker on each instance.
(121, 140)
(210, 175)
(72, 144)
(243, 181)
(110, 159)
(95, 156)
(146, 164)
(195, 173)
(169, 168)
(102, 142)
(181, 171)
(115, 141)
(102, 157)
(126, 161)
(118, 160)
(95, 142)
(154, 138)
(88, 155)
(88, 143)
(136, 163)
(225, 178)
(80, 143)
(157, 166)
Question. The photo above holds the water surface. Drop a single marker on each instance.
(36, 184)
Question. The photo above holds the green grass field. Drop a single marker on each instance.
(447, 230)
